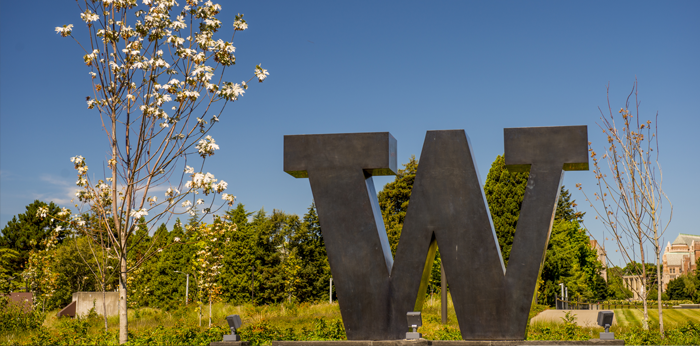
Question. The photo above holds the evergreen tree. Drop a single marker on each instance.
(565, 207)
(308, 248)
(393, 201)
(504, 192)
(239, 258)
(6, 257)
(268, 277)
(140, 281)
(27, 231)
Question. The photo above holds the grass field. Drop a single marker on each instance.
(145, 323)
(672, 317)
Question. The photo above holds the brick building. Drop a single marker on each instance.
(600, 251)
(680, 257)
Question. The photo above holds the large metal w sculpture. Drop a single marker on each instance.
(447, 209)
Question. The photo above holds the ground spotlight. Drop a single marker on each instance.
(414, 321)
(234, 322)
(605, 320)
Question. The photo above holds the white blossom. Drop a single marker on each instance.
(239, 23)
(63, 213)
(261, 73)
(65, 30)
(79, 221)
(189, 170)
(88, 16)
(137, 214)
(186, 203)
(42, 211)
(229, 198)
(231, 91)
(221, 186)
(207, 146)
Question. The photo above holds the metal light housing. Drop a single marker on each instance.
(605, 320)
(234, 323)
(414, 321)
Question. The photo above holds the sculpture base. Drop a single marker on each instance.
(230, 337)
(424, 342)
(230, 343)
(607, 336)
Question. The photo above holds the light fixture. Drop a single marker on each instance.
(234, 322)
(414, 321)
(605, 320)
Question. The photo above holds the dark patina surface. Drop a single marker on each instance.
(447, 209)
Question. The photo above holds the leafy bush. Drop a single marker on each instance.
(14, 318)
(569, 330)
(448, 333)
(264, 333)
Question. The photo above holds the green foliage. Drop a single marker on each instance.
(560, 331)
(268, 276)
(264, 333)
(308, 252)
(7, 256)
(684, 287)
(393, 201)
(565, 208)
(239, 258)
(14, 318)
(26, 232)
(73, 274)
(571, 260)
(615, 287)
(448, 333)
(504, 193)
(168, 278)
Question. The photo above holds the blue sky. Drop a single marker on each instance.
(365, 66)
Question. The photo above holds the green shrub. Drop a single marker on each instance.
(13, 318)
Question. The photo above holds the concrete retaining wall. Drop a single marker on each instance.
(86, 300)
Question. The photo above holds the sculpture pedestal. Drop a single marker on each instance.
(423, 342)
(230, 343)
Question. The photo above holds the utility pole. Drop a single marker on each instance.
(187, 286)
(330, 291)
(561, 285)
(187, 290)
(443, 294)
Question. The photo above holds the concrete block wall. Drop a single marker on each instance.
(85, 300)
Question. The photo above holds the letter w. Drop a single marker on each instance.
(448, 210)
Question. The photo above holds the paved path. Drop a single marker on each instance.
(584, 318)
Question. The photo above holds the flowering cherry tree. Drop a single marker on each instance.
(157, 72)
(207, 261)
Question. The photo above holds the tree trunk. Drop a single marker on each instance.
(123, 322)
(644, 292)
(104, 304)
(660, 285)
